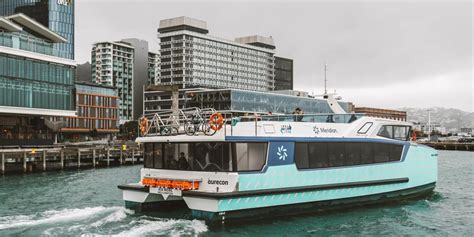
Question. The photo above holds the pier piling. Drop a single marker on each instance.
(121, 156)
(62, 160)
(29, 160)
(108, 157)
(133, 156)
(93, 158)
(44, 160)
(3, 163)
(24, 161)
(78, 159)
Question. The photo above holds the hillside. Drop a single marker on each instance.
(447, 117)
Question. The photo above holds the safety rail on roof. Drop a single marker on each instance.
(169, 122)
(195, 121)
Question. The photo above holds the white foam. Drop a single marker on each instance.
(163, 227)
(52, 216)
(116, 216)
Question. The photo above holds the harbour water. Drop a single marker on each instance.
(87, 202)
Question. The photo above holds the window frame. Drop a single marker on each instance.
(366, 130)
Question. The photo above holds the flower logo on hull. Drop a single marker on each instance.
(282, 153)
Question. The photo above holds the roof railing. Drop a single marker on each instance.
(192, 121)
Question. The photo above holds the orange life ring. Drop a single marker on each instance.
(216, 121)
(413, 136)
(143, 125)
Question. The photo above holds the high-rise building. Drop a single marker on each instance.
(192, 58)
(56, 15)
(97, 116)
(112, 65)
(283, 73)
(140, 73)
(153, 68)
(36, 78)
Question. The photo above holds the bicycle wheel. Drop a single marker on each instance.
(174, 131)
(206, 128)
(189, 129)
(165, 131)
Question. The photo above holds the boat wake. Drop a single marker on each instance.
(97, 221)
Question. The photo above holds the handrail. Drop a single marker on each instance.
(177, 120)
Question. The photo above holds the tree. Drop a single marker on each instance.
(93, 133)
(129, 130)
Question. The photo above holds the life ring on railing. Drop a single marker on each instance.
(216, 121)
(143, 125)
(413, 136)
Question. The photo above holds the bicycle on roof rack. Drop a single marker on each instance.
(199, 121)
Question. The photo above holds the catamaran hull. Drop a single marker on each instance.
(153, 203)
(312, 207)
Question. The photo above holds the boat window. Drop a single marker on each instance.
(301, 155)
(386, 131)
(206, 156)
(153, 155)
(250, 156)
(148, 162)
(395, 132)
(158, 156)
(364, 129)
(381, 153)
(337, 154)
(401, 133)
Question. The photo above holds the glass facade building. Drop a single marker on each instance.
(57, 15)
(37, 72)
(35, 84)
(262, 102)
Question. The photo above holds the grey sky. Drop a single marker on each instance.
(379, 54)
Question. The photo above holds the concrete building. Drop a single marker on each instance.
(192, 58)
(153, 68)
(382, 113)
(57, 16)
(36, 76)
(140, 73)
(283, 73)
(97, 117)
(113, 65)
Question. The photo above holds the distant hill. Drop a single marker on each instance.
(447, 117)
(83, 72)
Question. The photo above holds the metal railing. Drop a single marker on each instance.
(194, 120)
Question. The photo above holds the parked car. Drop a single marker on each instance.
(466, 139)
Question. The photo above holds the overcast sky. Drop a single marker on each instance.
(389, 54)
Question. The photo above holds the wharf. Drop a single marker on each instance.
(452, 146)
(27, 160)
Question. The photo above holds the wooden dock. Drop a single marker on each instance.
(48, 159)
(452, 146)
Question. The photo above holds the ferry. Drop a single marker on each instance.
(224, 168)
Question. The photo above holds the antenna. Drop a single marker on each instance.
(325, 77)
